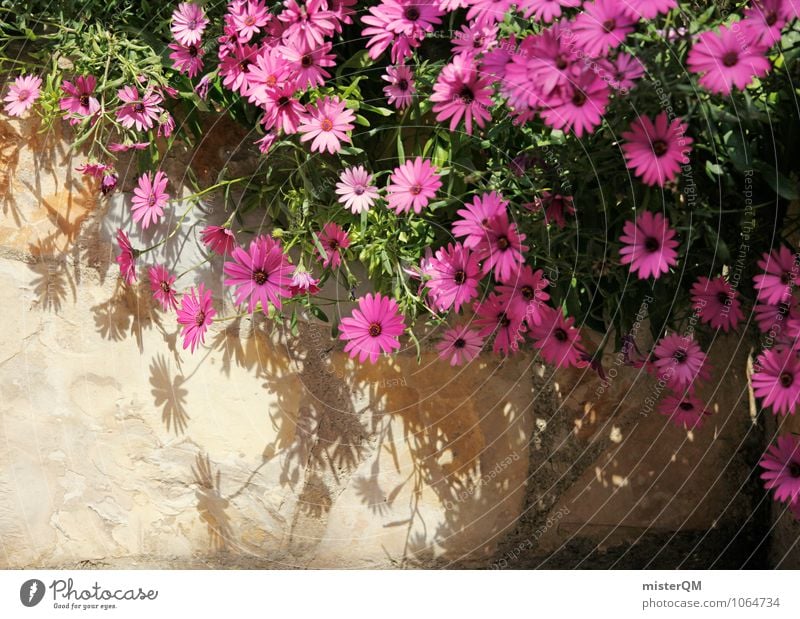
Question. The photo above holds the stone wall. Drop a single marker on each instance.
(119, 449)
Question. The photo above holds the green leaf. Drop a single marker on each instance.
(319, 314)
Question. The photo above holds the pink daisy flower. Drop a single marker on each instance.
(776, 380)
(126, 258)
(303, 283)
(412, 185)
(249, 17)
(766, 21)
(488, 12)
(473, 40)
(780, 275)
(460, 92)
(150, 198)
(686, 412)
(602, 26)
(648, 245)
(161, 281)
(626, 71)
(109, 183)
(307, 64)
(22, 94)
(656, 151)
(235, 68)
(495, 316)
(334, 240)
(454, 276)
(502, 249)
(137, 112)
(460, 345)
(679, 360)
(558, 341)
(400, 91)
(327, 123)
(474, 219)
(188, 23)
(526, 290)
(716, 302)
(724, 62)
(546, 10)
(647, 9)
(579, 106)
(267, 71)
(186, 59)
(308, 23)
(261, 274)
(196, 314)
(380, 37)
(218, 239)
(781, 464)
(372, 328)
(116, 147)
(79, 102)
(282, 109)
(770, 315)
(412, 18)
(265, 143)
(554, 206)
(355, 189)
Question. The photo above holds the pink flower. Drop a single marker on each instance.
(413, 18)
(196, 314)
(780, 275)
(307, 64)
(186, 59)
(219, 239)
(473, 40)
(555, 206)
(372, 328)
(266, 142)
(579, 106)
(656, 151)
(460, 92)
(765, 20)
(22, 94)
(626, 70)
(303, 283)
(725, 61)
(648, 245)
(502, 248)
(267, 71)
(327, 123)
(93, 169)
(281, 108)
(116, 147)
(412, 185)
(141, 113)
(126, 258)
(249, 17)
(188, 23)
(546, 10)
(454, 276)
(602, 26)
(161, 281)
(235, 68)
(781, 466)
(716, 302)
(496, 316)
(687, 411)
(474, 219)
(79, 102)
(525, 289)
(776, 379)
(558, 341)
(647, 9)
(355, 189)
(260, 275)
(308, 23)
(109, 183)
(333, 239)
(400, 91)
(459, 344)
(150, 198)
(679, 360)
(487, 12)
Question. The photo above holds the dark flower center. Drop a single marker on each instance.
(466, 94)
(459, 277)
(415, 190)
(722, 297)
(579, 98)
(771, 17)
(786, 277)
(333, 244)
(794, 469)
(502, 242)
(561, 62)
(526, 292)
(651, 244)
(402, 84)
(192, 24)
(730, 59)
(23, 95)
(192, 49)
(84, 100)
(375, 329)
(560, 335)
(283, 101)
(660, 148)
(200, 318)
(786, 378)
(609, 25)
(686, 406)
(359, 190)
(459, 343)
(165, 287)
(679, 356)
(504, 320)
(152, 199)
(306, 61)
(244, 64)
(259, 277)
(411, 13)
(138, 107)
